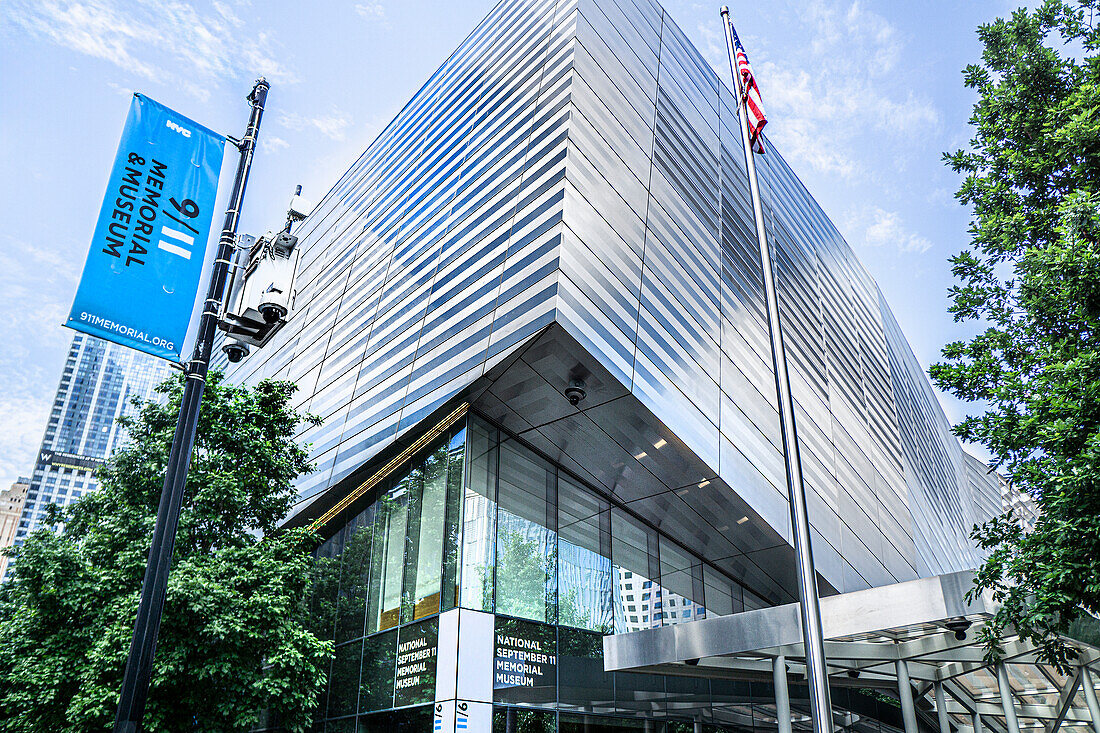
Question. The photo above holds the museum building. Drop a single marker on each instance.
(531, 319)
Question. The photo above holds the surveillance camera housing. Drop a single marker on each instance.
(959, 625)
(272, 312)
(235, 351)
(575, 392)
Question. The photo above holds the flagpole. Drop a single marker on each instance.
(813, 641)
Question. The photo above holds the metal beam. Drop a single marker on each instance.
(1065, 700)
(963, 698)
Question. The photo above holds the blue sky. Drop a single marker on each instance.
(862, 98)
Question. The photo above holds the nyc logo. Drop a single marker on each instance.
(181, 130)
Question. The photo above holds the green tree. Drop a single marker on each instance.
(1031, 282)
(233, 639)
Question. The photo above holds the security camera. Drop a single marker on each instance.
(575, 392)
(235, 351)
(272, 312)
(960, 626)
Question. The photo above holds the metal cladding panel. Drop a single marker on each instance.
(575, 170)
(889, 493)
(437, 251)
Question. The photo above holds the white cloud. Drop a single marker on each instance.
(42, 278)
(876, 227)
(271, 143)
(371, 11)
(153, 40)
(332, 125)
(831, 94)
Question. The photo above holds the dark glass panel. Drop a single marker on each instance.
(379, 660)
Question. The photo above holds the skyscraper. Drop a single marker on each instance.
(97, 384)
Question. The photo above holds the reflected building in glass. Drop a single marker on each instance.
(564, 204)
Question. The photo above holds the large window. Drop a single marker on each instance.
(479, 520)
(526, 567)
(584, 558)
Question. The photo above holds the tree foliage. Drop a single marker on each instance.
(1031, 281)
(233, 639)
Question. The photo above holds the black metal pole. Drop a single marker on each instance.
(139, 663)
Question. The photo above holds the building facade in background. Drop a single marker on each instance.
(11, 509)
(563, 206)
(97, 385)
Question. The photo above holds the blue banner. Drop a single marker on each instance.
(142, 274)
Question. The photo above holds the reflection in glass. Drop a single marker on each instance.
(518, 720)
(636, 598)
(427, 486)
(387, 560)
(584, 568)
(479, 518)
(343, 683)
(676, 594)
(354, 572)
(324, 587)
(379, 661)
(582, 682)
(452, 522)
(526, 576)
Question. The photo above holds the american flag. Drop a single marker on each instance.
(751, 94)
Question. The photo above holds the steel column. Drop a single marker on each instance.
(941, 708)
(782, 696)
(1008, 704)
(977, 719)
(1090, 698)
(905, 694)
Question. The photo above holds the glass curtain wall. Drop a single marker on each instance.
(394, 562)
(478, 520)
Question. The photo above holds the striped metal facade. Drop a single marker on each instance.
(578, 163)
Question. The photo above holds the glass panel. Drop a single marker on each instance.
(676, 601)
(635, 595)
(515, 720)
(479, 518)
(576, 723)
(379, 660)
(584, 572)
(427, 487)
(343, 684)
(452, 523)
(526, 575)
(354, 573)
(324, 587)
(525, 665)
(582, 682)
(718, 593)
(409, 720)
(417, 652)
(387, 560)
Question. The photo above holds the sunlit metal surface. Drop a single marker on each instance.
(567, 193)
(871, 636)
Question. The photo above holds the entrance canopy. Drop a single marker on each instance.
(918, 638)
